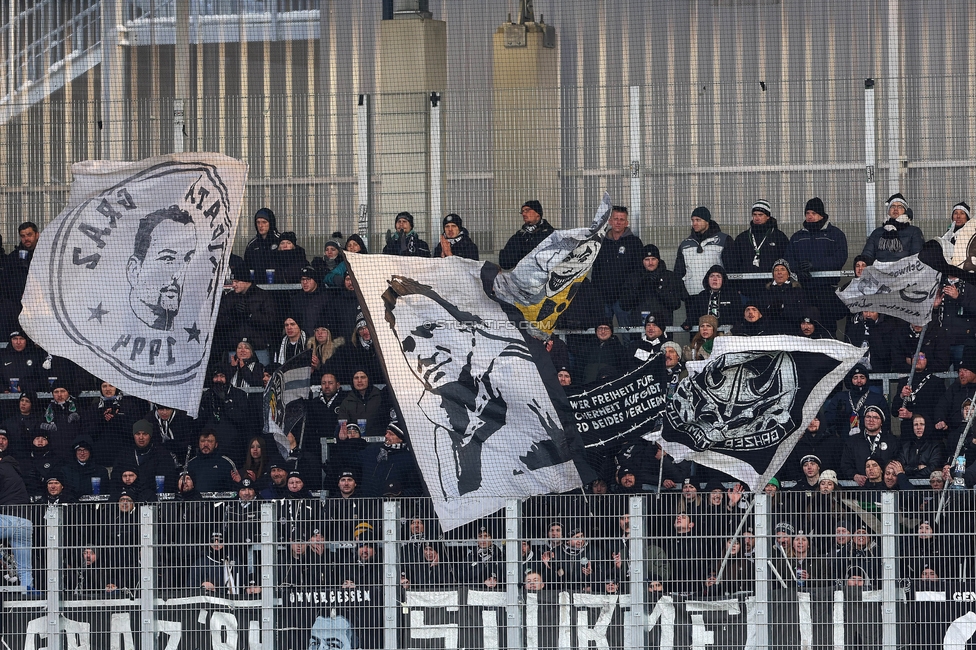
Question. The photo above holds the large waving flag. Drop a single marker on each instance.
(904, 289)
(744, 410)
(460, 345)
(126, 281)
(545, 281)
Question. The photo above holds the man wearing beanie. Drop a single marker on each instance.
(455, 240)
(21, 360)
(819, 246)
(619, 258)
(756, 248)
(404, 241)
(604, 354)
(870, 442)
(650, 343)
(959, 217)
(390, 462)
(534, 229)
(949, 410)
(652, 289)
(77, 474)
(151, 459)
(896, 238)
(701, 250)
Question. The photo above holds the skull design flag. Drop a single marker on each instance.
(127, 280)
(744, 410)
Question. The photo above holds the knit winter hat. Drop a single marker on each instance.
(402, 215)
(533, 204)
(762, 205)
(650, 250)
(702, 213)
(452, 218)
(897, 197)
(708, 319)
(816, 204)
(962, 205)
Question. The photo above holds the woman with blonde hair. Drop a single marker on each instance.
(323, 347)
(701, 345)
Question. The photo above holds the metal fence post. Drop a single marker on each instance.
(636, 149)
(436, 166)
(889, 615)
(634, 636)
(391, 572)
(147, 575)
(268, 582)
(364, 167)
(762, 570)
(513, 557)
(52, 536)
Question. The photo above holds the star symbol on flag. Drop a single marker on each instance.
(193, 333)
(97, 312)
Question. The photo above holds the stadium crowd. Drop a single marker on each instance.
(68, 449)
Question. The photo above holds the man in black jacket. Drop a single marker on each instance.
(390, 463)
(246, 313)
(211, 471)
(534, 229)
(78, 473)
(405, 242)
(260, 250)
(619, 258)
(151, 459)
(756, 249)
(455, 240)
(224, 409)
(22, 362)
(652, 288)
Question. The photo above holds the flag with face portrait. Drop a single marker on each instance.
(478, 394)
(127, 280)
(743, 410)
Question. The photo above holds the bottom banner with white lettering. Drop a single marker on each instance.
(460, 618)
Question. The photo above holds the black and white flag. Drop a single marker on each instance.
(905, 289)
(608, 412)
(481, 416)
(744, 410)
(127, 280)
(284, 399)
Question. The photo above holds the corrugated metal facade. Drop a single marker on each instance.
(739, 99)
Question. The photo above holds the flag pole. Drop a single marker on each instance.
(918, 351)
(962, 439)
(735, 537)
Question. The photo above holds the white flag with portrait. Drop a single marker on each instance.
(480, 415)
(127, 280)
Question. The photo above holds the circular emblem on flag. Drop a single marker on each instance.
(136, 271)
(741, 401)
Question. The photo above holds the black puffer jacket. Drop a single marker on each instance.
(258, 256)
(522, 242)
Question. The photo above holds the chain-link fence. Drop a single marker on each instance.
(705, 565)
